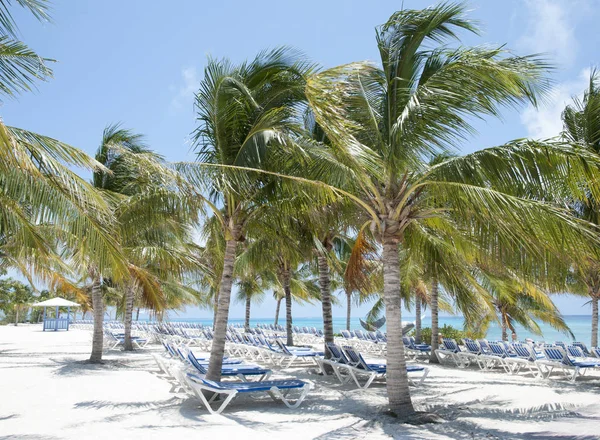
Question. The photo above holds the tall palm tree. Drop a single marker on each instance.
(385, 123)
(243, 110)
(150, 228)
(581, 122)
(251, 288)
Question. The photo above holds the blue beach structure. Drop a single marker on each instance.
(56, 323)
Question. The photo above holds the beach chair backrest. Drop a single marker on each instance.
(484, 344)
(346, 334)
(561, 344)
(472, 346)
(497, 348)
(574, 351)
(197, 365)
(450, 344)
(282, 346)
(406, 341)
(523, 351)
(596, 351)
(583, 347)
(336, 353)
(353, 356)
(557, 354)
(359, 334)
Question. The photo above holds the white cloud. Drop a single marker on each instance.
(184, 94)
(550, 30)
(545, 122)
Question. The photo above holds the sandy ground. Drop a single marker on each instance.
(47, 393)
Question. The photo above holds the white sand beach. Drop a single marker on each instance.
(48, 393)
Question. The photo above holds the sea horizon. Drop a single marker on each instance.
(580, 326)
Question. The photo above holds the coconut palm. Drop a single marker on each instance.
(581, 122)
(243, 110)
(251, 288)
(385, 123)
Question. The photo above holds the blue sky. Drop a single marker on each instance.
(139, 62)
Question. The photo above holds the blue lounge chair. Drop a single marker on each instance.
(277, 389)
(358, 366)
(450, 351)
(557, 357)
(301, 356)
(240, 371)
(415, 349)
(583, 348)
(525, 356)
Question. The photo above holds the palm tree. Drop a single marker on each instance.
(251, 288)
(242, 111)
(517, 301)
(384, 123)
(42, 199)
(151, 226)
(582, 129)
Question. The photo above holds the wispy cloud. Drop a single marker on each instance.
(550, 29)
(184, 93)
(545, 122)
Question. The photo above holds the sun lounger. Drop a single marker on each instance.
(301, 356)
(241, 371)
(450, 351)
(525, 357)
(277, 389)
(557, 358)
(357, 366)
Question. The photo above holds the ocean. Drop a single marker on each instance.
(580, 325)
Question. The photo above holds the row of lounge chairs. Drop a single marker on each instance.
(349, 364)
(189, 369)
(572, 360)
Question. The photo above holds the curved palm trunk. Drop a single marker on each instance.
(247, 320)
(397, 378)
(130, 296)
(435, 334)
(348, 309)
(98, 313)
(16, 315)
(222, 314)
(137, 314)
(595, 320)
(288, 307)
(277, 311)
(324, 284)
(418, 320)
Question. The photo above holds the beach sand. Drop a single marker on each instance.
(47, 393)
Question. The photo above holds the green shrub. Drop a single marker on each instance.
(447, 331)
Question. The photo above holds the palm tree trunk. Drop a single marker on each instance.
(504, 329)
(16, 315)
(137, 314)
(288, 306)
(348, 309)
(98, 333)
(324, 284)
(397, 378)
(247, 321)
(215, 309)
(417, 320)
(435, 336)
(277, 311)
(130, 296)
(222, 313)
(595, 320)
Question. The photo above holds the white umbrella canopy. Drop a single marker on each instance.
(56, 302)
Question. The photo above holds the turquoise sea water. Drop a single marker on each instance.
(580, 325)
